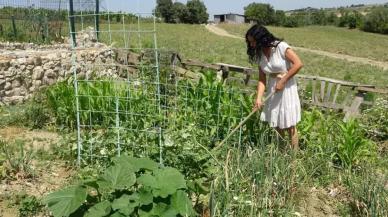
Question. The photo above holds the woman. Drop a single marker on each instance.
(276, 59)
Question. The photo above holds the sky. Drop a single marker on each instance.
(234, 6)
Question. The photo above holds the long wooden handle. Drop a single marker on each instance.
(241, 123)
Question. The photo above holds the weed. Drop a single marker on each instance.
(16, 161)
(29, 206)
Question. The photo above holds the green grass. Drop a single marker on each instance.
(328, 38)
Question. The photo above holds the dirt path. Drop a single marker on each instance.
(221, 32)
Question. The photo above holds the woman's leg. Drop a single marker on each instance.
(280, 131)
(280, 137)
(294, 138)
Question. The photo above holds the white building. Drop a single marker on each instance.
(230, 18)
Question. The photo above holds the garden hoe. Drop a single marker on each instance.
(242, 123)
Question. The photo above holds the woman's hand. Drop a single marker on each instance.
(280, 84)
(258, 103)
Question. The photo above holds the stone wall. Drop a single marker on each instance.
(27, 68)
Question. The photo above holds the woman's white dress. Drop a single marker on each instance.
(283, 109)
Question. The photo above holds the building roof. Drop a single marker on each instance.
(229, 14)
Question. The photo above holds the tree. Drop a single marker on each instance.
(264, 14)
(319, 17)
(280, 17)
(164, 9)
(197, 12)
(332, 18)
(376, 21)
(181, 13)
(291, 21)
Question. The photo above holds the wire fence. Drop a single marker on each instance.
(149, 111)
(40, 21)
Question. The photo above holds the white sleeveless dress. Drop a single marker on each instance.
(283, 109)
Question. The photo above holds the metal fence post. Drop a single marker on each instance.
(72, 23)
(97, 18)
(14, 27)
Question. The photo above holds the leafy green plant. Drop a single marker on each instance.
(130, 187)
(29, 206)
(352, 147)
(37, 115)
(16, 162)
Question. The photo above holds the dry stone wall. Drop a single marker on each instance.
(27, 68)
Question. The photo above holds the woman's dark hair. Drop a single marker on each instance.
(263, 38)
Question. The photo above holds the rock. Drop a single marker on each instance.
(19, 91)
(11, 72)
(16, 83)
(57, 69)
(37, 73)
(22, 67)
(9, 93)
(48, 65)
(37, 83)
(49, 81)
(13, 100)
(21, 61)
(38, 61)
(8, 86)
(2, 82)
(50, 74)
(30, 67)
(30, 61)
(5, 64)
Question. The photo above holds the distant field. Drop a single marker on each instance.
(194, 41)
(328, 38)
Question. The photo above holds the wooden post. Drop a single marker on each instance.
(248, 73)
(225, 72)
(353, 111)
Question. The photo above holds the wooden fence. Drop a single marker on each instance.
(326, 93)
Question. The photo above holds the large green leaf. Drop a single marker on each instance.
(145, 196)
(147, 180)
(137, 163)
(168, 180)
(182, 204)
(117, 214)
(163, 210)
(159, 209)
(99, 210)
(125, 204)
(118, 176)
(66, 201)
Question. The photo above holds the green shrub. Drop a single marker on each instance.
(130, 187)
(375, 120)
(36, 114)
(376, 21)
